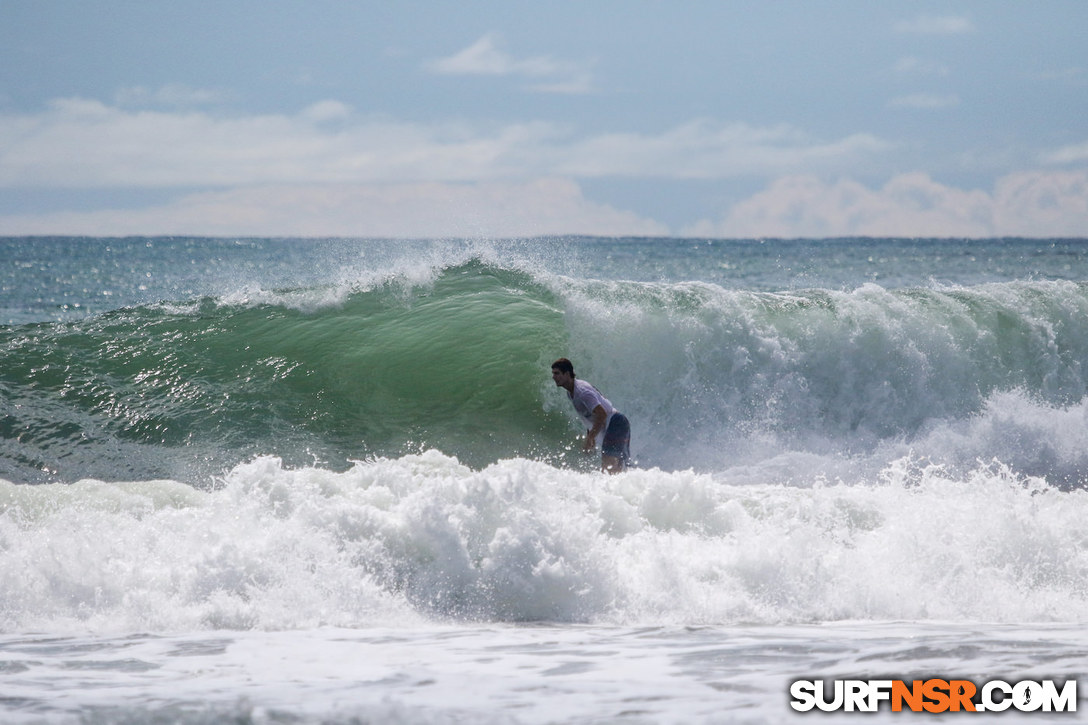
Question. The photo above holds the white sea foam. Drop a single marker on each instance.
(423, 538)
(435, 674)
(713, 377)
(837, 479)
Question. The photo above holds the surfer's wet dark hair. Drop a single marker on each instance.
(563, 365)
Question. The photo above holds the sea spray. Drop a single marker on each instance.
(423, 536)
(710, 377)
(306, 480)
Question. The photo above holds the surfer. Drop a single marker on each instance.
(598, 415)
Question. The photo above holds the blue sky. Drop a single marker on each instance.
(494, 119)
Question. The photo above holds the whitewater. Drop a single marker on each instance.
(287, 480)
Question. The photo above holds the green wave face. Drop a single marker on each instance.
(457, 363)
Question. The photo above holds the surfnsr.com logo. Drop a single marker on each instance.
(933, 695)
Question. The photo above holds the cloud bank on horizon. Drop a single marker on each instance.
(284, 119)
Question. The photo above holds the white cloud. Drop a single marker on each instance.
(547, 206)
(578, 83)
(704, 149)
(1076, 153)
(486, 57)
(925, 101)
(82, 143)
(175, 95)
(79, 143)
(326, 111)
(1033, 204)
(327, 171)
(936, 25)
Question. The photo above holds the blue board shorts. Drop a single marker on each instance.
(617, 439)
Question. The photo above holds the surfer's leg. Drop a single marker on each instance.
(616, 446)
(612, 464)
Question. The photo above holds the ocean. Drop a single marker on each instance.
(332, 481)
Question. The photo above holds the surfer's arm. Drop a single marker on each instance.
(599, 418)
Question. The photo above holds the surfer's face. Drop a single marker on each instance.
(561, 378)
